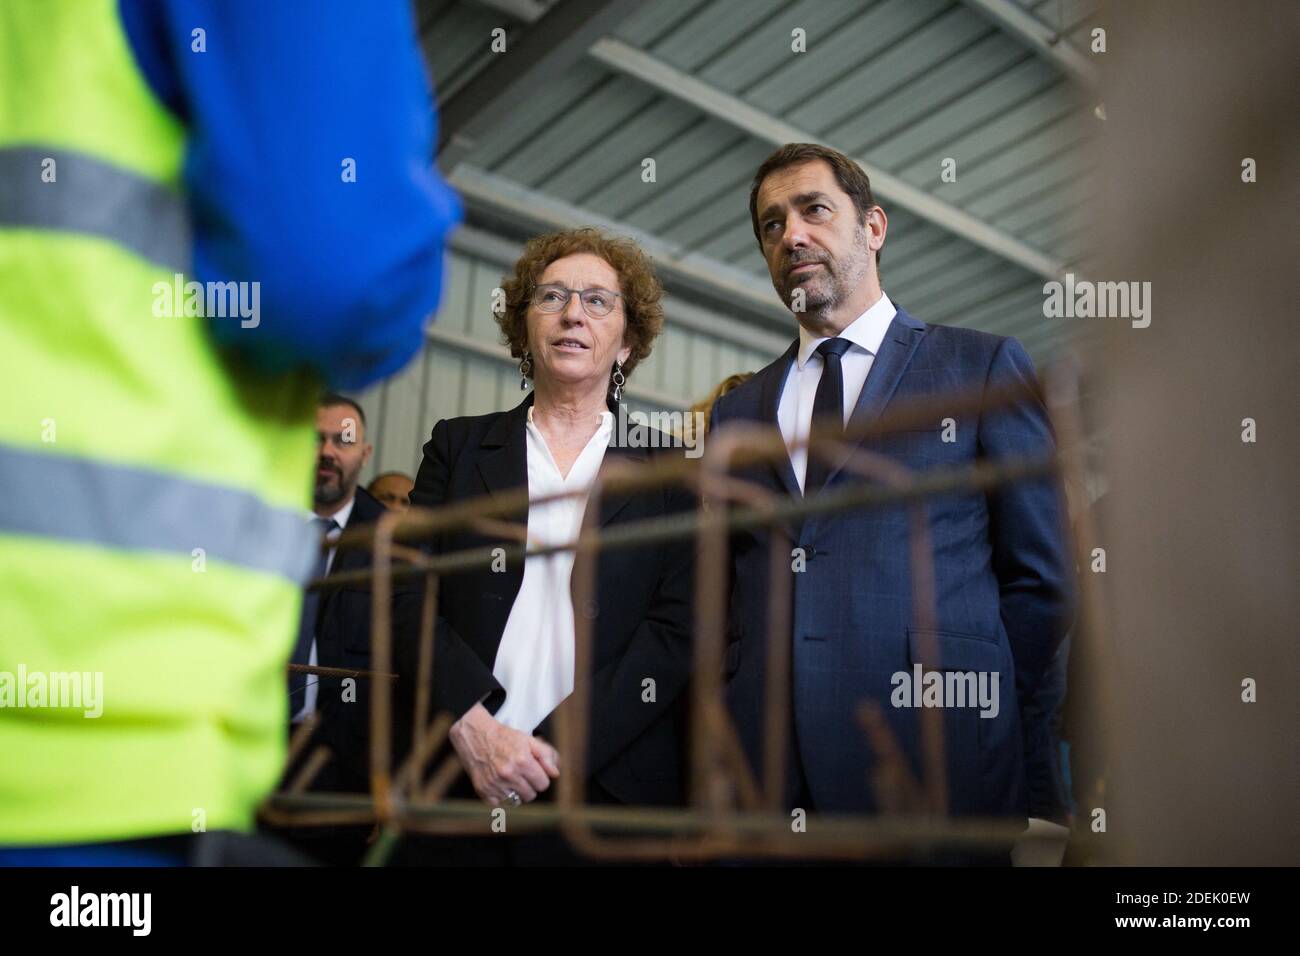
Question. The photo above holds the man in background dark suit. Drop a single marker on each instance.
(999, 558)
(335, 630)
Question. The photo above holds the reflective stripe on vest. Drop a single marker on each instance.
(167, 442)
(94, 197)
(104, 504)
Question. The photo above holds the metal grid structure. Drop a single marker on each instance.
(731, 812)
(552, 133)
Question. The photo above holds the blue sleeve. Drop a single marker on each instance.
(282, 95)
(1026, 525)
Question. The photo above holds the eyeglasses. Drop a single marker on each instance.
(553, 297)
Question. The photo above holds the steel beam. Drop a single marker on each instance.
(518, 204)
(630, 61)
(1041, 38)
(540, 55)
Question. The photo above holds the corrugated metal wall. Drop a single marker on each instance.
(465, 370)
(932, 92)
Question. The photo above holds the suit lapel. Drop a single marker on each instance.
(611, 503)
(503, 462)
(769, 399)
(771, 382)
(365, 511)
(896, 350)
(614, 502)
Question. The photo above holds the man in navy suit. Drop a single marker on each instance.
(1000, 561)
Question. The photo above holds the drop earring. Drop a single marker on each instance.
(619, 380)
(525, 370)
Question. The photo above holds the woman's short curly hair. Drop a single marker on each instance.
(640, 287)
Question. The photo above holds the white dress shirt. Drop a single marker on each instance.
(309, 694)
(794, 413)
(535, 659)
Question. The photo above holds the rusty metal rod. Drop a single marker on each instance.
(962, 831)
(301, 734)
(420, 524)
(410, 774)
(981, 476)
(381, 653)
(338, 672)
(315, 764)
(576, 820)
(424, 679)
(447, 773)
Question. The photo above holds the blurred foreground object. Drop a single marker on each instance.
(1201, 530)
(157, 443)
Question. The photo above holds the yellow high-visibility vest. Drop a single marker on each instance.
(152, 489)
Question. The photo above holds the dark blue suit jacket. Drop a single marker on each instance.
(1001, 573)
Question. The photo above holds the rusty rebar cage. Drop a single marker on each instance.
(731, 814)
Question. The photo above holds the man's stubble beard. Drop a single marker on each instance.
(842, 285)
(325, 496)
(346, 485)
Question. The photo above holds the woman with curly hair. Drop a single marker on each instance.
(582, 309)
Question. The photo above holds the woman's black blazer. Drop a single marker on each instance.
(642, 613)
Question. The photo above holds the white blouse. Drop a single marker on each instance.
(535, 659)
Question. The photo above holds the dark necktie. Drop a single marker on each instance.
(828, 408)
(307, 623)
